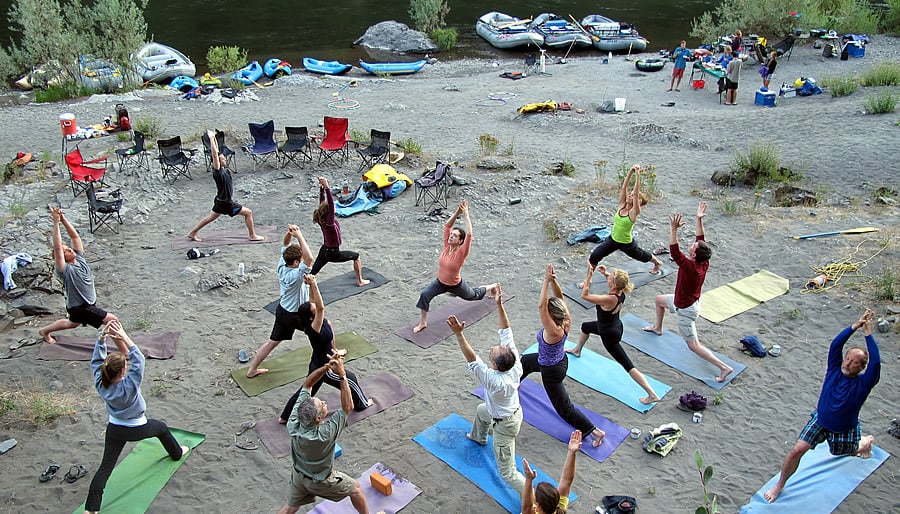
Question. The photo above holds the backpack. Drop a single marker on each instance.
(619, 504)
(693, 401)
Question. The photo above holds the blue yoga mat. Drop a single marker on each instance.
(821, 483)
(538, 412)
(447, 441)
(671, 349)
(606, 376)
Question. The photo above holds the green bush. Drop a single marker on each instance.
(149, 125)
(428, 15)
(840, 86)
(221, 59)
(882, 103)
(409, 145)
(445, 39)
(882, 74)
(57, 92)
(890, 22)
(761, 165)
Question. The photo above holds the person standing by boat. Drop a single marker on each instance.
(331, 235)
(680, 55)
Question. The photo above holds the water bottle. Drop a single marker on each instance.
(240, 269)
(610, 57)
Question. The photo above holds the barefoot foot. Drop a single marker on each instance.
(598, 437)
(420, 327)
(256, 372)
(47, 337)
(772, 494)
(470, 438)
(574, 352)
(193, 237)
(865, 447)
(725, 372)
(282, 421)
(652, 329)
(363, 282)
(371, 402)
(647, 400)
(257, 238)
(656, 265)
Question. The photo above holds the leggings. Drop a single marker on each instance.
(116, 437)
(360, 400)
(552, 377)
(611, 335)
(331, 254)
(461, 290)
(608, 246)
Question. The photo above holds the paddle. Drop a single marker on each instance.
(861, 230)
(511, 24)
(586, 33)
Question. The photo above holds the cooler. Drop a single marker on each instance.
(856, 49)
(698, 84)
(67, 123)
(765, 98)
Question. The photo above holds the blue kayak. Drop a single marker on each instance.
(325, 67)
(392, 68)
(249, 73)
(184, 83)
(276, 66)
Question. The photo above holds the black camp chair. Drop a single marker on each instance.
(104, 208)
(377, 151)
(434, 186)
(172, 158)
(296, 148)
(784, 47)
(134, 157)
(223, 149)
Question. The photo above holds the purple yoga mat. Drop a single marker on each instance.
(72, 348)
(438, 330)
(236, 236)
(403, 492)
(384, 389)
(539, 413)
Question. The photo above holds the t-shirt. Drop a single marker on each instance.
(680, 55)
(224, 184)
(312, 448)
(294, 292)
(451, 263)
(331, 229)
(501, 387)
(79, 282)
(691, 275)
(843, 397)
(734, 70)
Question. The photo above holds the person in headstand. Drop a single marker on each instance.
(76, 275)
(223, 204)
(321, 337)
(685, 303)
(608, 325)
(457, 243)
(620, 237)
(849, 378)
(500, 413)
(331, 235)
(292, 265)
(118, 377)
(546, 499)
(551, 360)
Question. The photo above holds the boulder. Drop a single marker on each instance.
(722, 178)
(396, 37)
(789, 196)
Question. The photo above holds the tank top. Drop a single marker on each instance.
(321, 342)
(621, 231)
(550, 354)
(610, 317)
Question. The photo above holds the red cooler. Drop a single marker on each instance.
(67, 122)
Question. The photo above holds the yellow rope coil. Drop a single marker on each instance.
(835, 271)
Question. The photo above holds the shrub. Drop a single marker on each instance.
(761, 165)
(445, 39)
(409, 146)
(221, 59)
(428, 15)
(57, 92)
(890, 22)
(882, 74)
(488, 144)
(710, 505)
(882, 103)
(841, 86)
(149, 125)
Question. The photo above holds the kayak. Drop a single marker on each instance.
(325, 67)
(249, 73)
(392, 68)
(184, 83)
(275, 67)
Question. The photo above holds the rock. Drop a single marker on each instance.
(494, 163)
(789, 196)
(884, 326)
(722, 178)
(396, 37)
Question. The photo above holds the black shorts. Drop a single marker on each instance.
(87, 315)
(286, 323)
(230, 208)
(730, 85)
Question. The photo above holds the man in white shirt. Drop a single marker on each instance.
(500, 411)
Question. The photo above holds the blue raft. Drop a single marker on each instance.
(275, 67)
(325, 67)
(249, 73)
(392, 68)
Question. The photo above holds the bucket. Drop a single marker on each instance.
(67, 123)
(620, 104)
(698, 84)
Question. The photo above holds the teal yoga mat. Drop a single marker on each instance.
(140, 476)
(821, 483)
(606, 376)
(671, 349)
(447, 441)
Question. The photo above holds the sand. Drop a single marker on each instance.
(843, 154)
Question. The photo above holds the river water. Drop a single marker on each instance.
(291, 29)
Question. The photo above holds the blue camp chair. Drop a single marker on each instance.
(263, 146)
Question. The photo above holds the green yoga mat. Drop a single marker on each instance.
(294, 365)
(736, 297)
(141, 475)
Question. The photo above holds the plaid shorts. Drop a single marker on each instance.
(840, 443)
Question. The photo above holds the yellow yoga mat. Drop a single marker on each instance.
(736, 297)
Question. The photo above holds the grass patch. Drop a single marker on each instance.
(60, 92)
(510, 148)
(729, 206)
(358, 136)
(841, 86)
(33, 405)
(882, 74)
(17, 209)
(882, 103)
(719, 398)
(445, 39)
(140, 324)
(564, 167)
(409, 145)
(488, 144)
(886, 285)
(149, 125)
(761, 165)
(551, 230)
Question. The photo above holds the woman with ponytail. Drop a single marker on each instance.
(546, 499)
(117, 377)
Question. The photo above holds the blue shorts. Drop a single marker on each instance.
(840, 443)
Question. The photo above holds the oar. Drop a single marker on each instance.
(861, 230)
(588, 34)
(512, 24)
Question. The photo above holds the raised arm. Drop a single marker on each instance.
(502, 318)
(465, 209)
(547, 320)
(457, 327)
(623, 191)
(214, 150)
(315, 297)
(636, 196)
(452, 221)
(77, 244)
(316, 376)
(58, 258)
(528, 488)
(289, 235)
(346, 396)
(568, 471)
(701, 212)
(307, 254)
(596, 299)
(119, 336)
(675, 222)
(325, 192)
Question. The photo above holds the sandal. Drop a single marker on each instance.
(49, 473)
(75, 472)
(246, 445)
(245, 427)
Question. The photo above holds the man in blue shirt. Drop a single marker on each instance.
(680, 55)
(848, 381)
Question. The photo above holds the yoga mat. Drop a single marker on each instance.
(447, 441)
(73, 348)
(140, 476)
(342, 286)
(819, 485)
(235, 236)
(638, 273)
(402, 492)
(671, 349)
(438, 330)
(384, 389)
(294, 364)
(606, 376)
(539, 413)
(734, 298)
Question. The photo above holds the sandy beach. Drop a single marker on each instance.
(844, 155)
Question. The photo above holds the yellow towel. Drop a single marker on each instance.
(736, 297)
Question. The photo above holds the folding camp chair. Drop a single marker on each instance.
(263, 146)
(295, 148)
(531, 65)
(377, 151)
(785, 46)
(134, 157)
(80, 174)
(173, 160)
(434, 186)
(104, 207)
(224, 150)
(335, 143)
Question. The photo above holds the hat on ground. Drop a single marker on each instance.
(22, 159)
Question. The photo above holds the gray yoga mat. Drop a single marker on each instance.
(275, 438)
(638, 273)
(73, 348)
(402, 493)
(236, 236)
(343, 286)
(438, 330)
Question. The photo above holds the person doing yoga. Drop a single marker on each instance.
(331, 235)
(551, 359)
(608, 325)
(544, 498)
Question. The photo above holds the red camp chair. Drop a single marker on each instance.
(335, 143)
(80, 174)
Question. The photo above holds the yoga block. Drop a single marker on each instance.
(380, 483)
(765, 98)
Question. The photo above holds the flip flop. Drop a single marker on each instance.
(243, 357)
(27, 341)
(12, 354)
(75, 472)
(246, 445)
(49, 473)
(245, 427)
(7, 445)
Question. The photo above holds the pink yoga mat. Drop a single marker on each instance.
(438, 330)
(237, 236)
(403, 492)
(73, 348)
